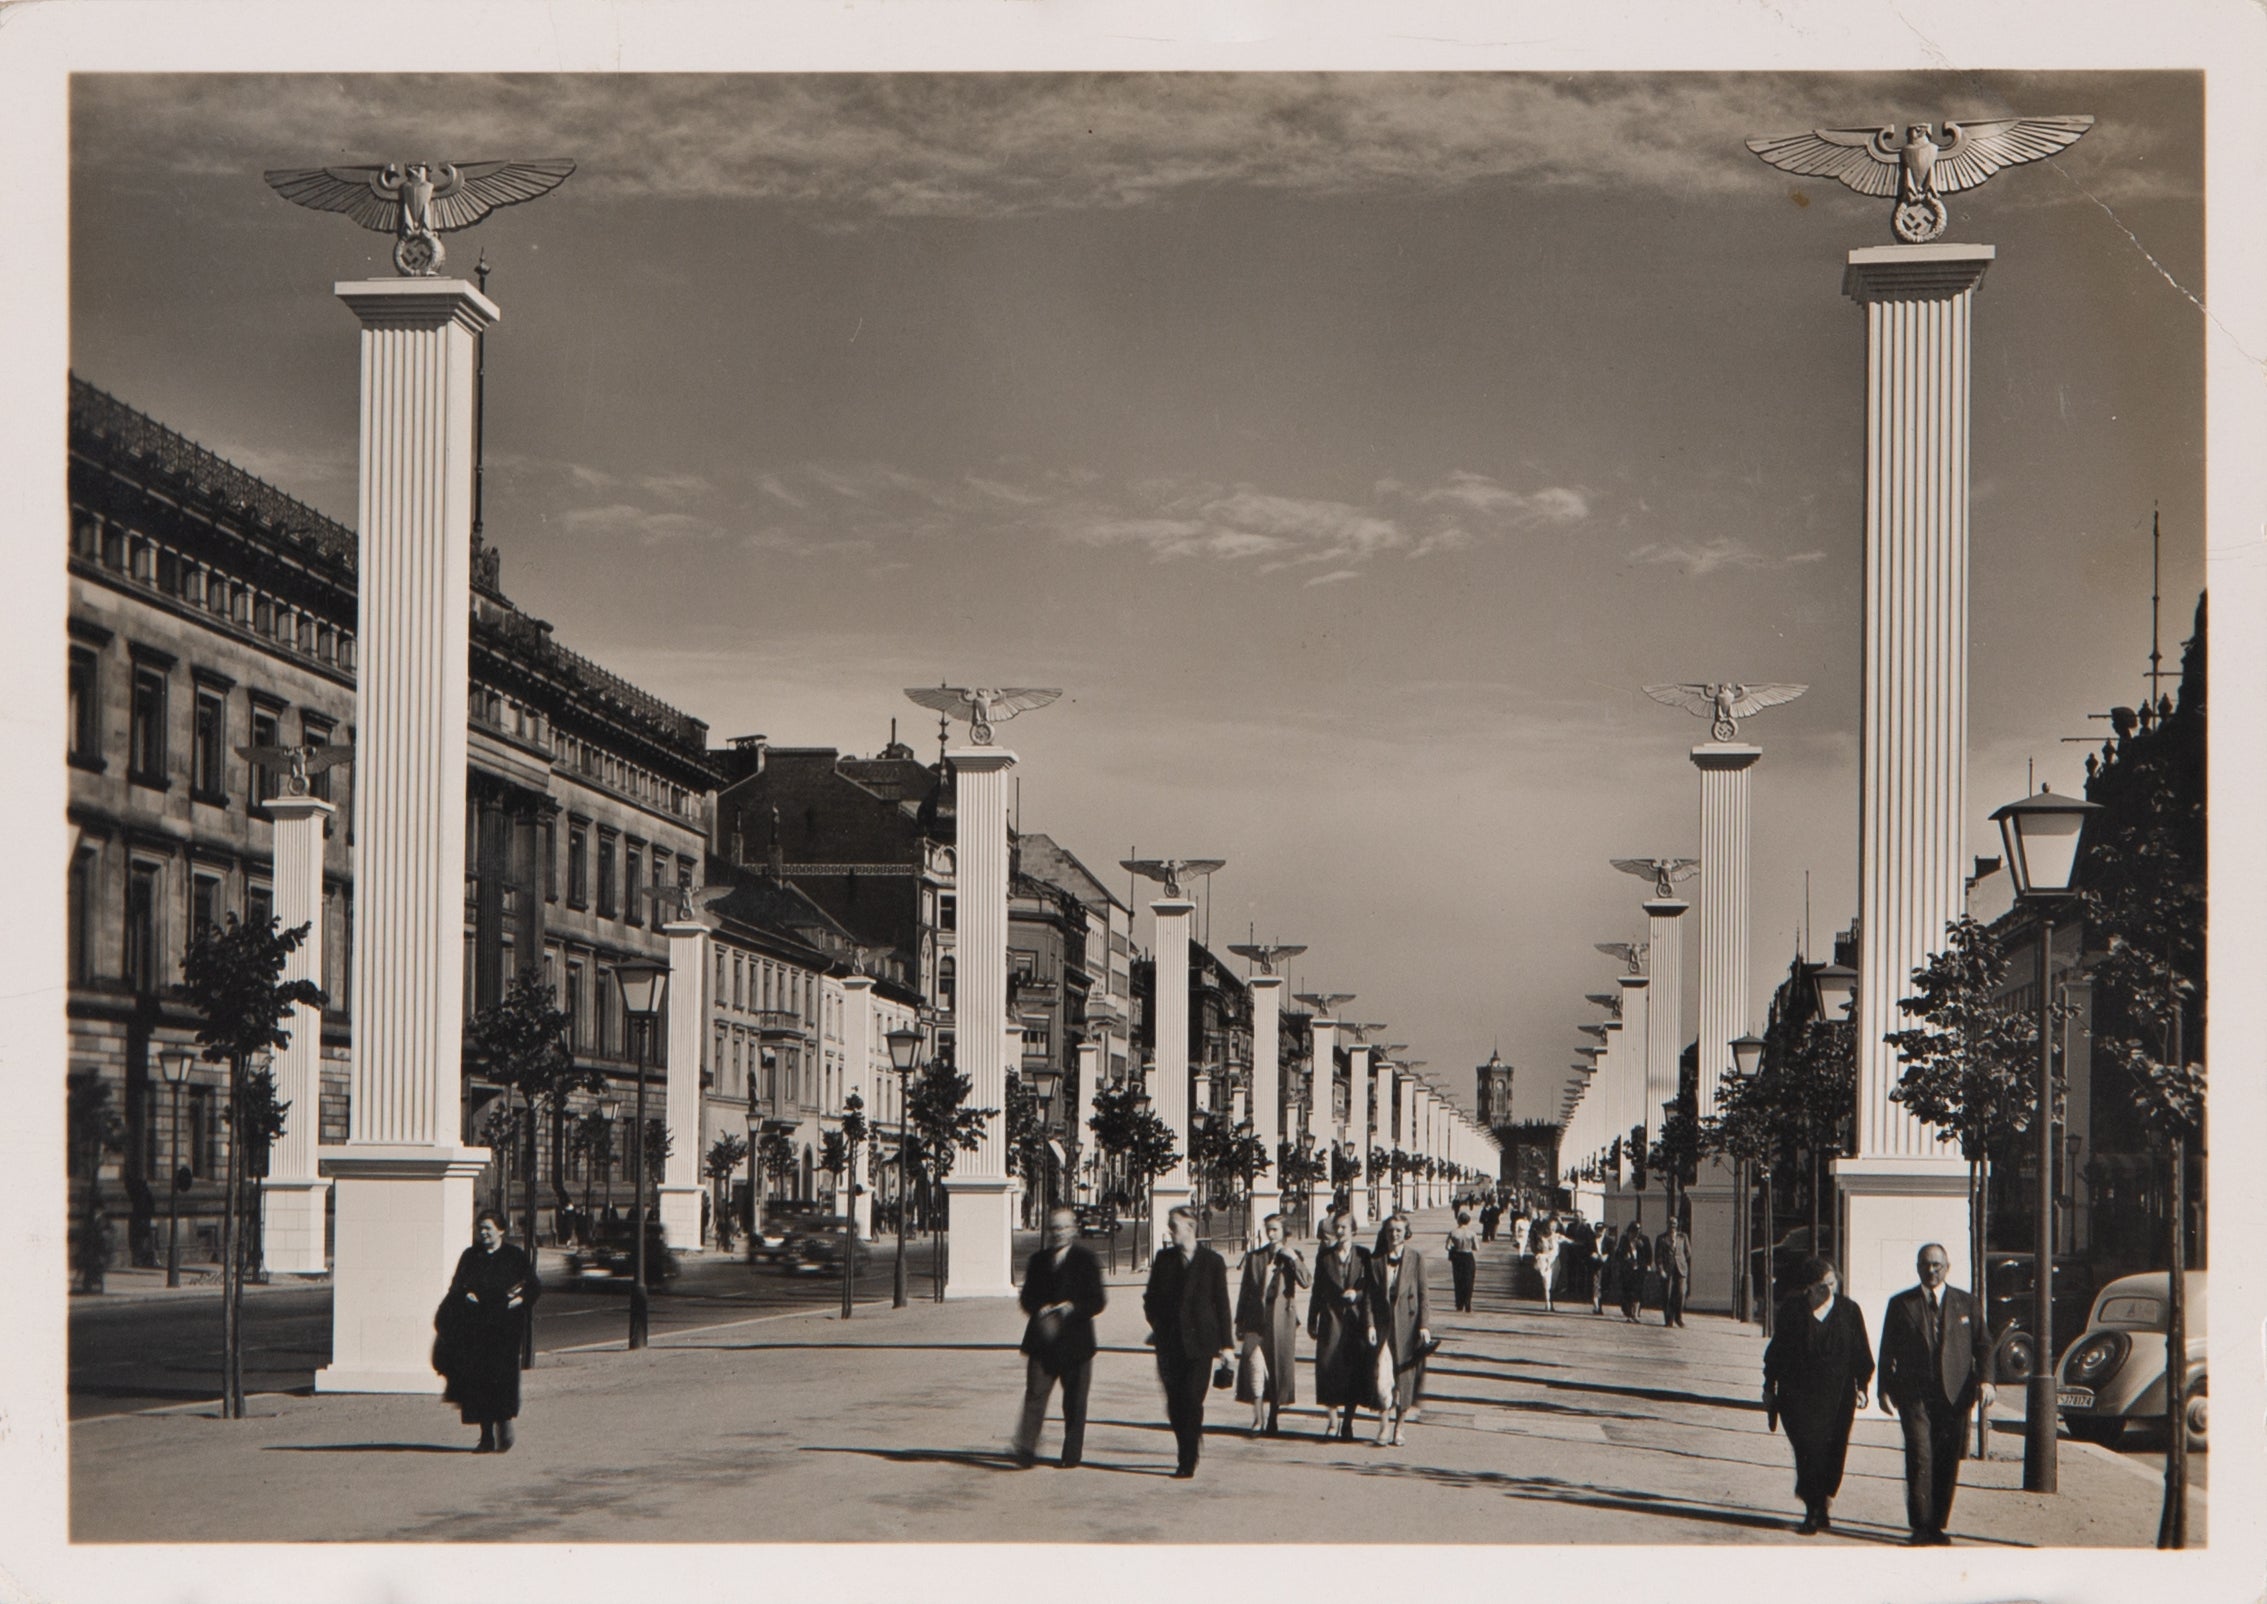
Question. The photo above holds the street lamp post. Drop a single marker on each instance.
(174, 1066)
(755, 1118)
(609, 1110)
(644, 984)
(2041, 833)
(904, 1054)
(1747, 1058)
(1047, 1085)
(1836, 987)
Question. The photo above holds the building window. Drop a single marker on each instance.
(945, 970)
(259, 903)
(86, 708)
(267, 730)
(605, 874)
(146, 751)
(204, 902)
(79, 922)
(948, 911)
(602, 1025)
(207, 759)
(316, 732)
(141, 929)
(574, 1006)
(578, 865)
(633, 882)
(739, 981)
(550, 861)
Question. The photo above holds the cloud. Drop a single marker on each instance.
(1702, 558)
(850, 148)
(1335, 577)
(623, 520)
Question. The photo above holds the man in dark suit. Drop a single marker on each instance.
(1186, 1302)
(1672, 1256)
(1062, 1293)
(1930, 1376)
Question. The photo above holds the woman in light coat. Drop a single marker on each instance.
(1267, 1326)
(1401, 1316)
(1547, 1240)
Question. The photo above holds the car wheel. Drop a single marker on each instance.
(2015, 1358)
(2197, 1411)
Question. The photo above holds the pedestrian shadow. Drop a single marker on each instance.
(1624, 1500)
(1534, 1406)
(1665, 1395)
(974, 1459)
(367, 1448)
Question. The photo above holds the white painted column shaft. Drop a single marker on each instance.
(294, 1195)
(1267, 1090)
(982, 1210)
(1169, 1089)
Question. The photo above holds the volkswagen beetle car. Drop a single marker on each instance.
(2115, 1371)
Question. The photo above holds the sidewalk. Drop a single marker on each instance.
(1566, 1428)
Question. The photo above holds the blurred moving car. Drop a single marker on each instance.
(814, 1246)
(608, 1253)
(2115, 1371)
(1097, 1220)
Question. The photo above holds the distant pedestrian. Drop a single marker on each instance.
(1631, 1262)
(1401, 1319)
(1267, 1326)
(1579, 1254)
(1931, 1376)
(1463, 1260)
(478, 1331)
(1490, 1215)
(1338, 1320)
(1062, 1293)
(1672, 1256)
(1547, 1256)
(1814, 1381)
(1186, 1303)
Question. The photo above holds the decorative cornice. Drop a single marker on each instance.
(1915, 272)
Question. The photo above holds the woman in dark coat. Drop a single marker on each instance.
(1338, 1319)
(478, 1330)
(1815, 1375)
(1267, 1326)
(1402, 1317)
(1631, 1260)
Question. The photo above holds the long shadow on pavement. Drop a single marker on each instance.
(367, 1448)
(980, 1460)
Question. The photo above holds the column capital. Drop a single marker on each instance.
(1665, 907)
(1728, 755)
(676, 929)
(1271, 982)
(980, 759)
(1632, 983)
(1915, 272)
(417, 303)
(1172, 905)
(857, 982)
(289, 809)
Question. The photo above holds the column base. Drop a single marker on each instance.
(681, 1217)
(292, 1215)
(1889, 1208)
(981, 1239)
(1715, 1215)
(1164, 1198)
(404, 1214)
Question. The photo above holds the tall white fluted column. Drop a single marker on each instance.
(858, 1048)
(1322, 1082)
(294, 1195)
(1364, 1193)
(1169, 1087)
(1724, 927)
(1391, 1084)
(687, 1005)
(1629, 1088)
(982, 1245)
(1091, 1058)
(1267, 1091)
(404, 1179)
(1904, 1187)
(1664, 1017)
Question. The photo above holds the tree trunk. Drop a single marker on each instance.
(1979, 1183)
(2172, 1526)
(231, 1268)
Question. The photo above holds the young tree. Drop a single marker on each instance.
(95, 1132)
(1298, 1170)
(519, 1042)
(943, 1127)
(725, 1156)
(775, 1154)
(234, 982)
(1138, 1142)
(592, 1136)
(1971, 1071)
(1027, 1138)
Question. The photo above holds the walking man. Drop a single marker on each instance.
(1186, 1303)
(1062, 1293)
(1930, 1376)
(1672, 1256)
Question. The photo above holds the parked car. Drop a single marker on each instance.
(1097, 1220)
(814, 1247)
(2115, 1371)
(609, 1253)
(2009, 1287)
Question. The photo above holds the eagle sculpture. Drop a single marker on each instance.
(418, 202)
(296, 766)
(981, 707)
(1266, 954)
(1724, 703)
(1325, 1002)
(1172, 871)
(1631, 953)
(1663, 872)
(1920, 170)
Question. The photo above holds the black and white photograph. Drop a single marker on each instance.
(1397, 792)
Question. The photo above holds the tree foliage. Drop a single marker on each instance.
(1971, 1065)
(943, 1125)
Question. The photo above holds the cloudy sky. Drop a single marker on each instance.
(1352, 449)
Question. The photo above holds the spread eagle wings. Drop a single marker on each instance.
(1652, 868)
(1745, 702)
(282, 759)
(1022, 700)
(1869, 160)
(1629, 952)
(479, 188)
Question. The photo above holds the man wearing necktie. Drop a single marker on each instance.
(1186, 1303)
(1931, 1377)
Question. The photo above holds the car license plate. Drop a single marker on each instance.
(2074, 1397)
